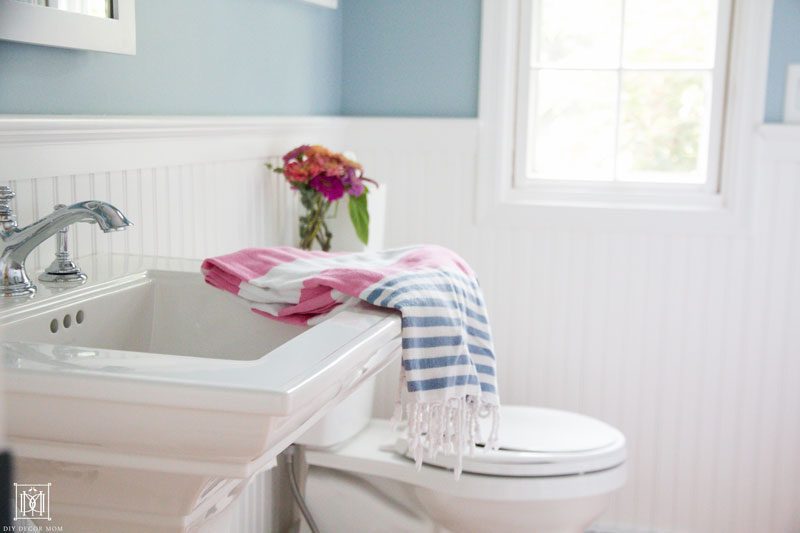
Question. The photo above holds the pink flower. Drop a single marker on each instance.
(329, 186)
(352, 182)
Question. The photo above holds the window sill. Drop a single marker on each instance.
(711, 216)
(617, 195)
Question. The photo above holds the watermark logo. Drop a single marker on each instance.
(32, 501)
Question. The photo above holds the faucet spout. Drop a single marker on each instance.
(108, 217)
(18, 243)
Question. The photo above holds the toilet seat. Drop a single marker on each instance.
(539, 442)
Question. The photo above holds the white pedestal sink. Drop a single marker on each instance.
(148, 399)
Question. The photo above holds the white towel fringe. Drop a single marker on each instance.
(451, 427)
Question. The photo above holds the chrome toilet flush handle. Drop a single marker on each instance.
(63, 269)
(17, 243)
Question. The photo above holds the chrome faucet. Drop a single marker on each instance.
(18, 243)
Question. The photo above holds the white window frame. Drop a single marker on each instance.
(720, 206)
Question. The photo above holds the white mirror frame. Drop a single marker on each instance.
(28, 23)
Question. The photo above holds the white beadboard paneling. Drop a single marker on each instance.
(254, 508)
(174, 209)
(688, 343)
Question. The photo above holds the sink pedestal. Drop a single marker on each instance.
(99, 499)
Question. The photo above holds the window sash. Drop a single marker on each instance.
(710, 142)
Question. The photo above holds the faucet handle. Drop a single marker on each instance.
(7, 217)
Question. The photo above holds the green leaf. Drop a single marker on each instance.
(359, 215)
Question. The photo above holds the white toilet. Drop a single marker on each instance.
(555, 472)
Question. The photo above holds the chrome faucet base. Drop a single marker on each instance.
(19, 290)
(16, 281)
(73, 278)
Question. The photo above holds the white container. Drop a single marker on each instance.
(344, 235)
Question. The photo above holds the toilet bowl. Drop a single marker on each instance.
(554, 472)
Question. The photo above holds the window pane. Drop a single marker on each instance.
(670, 32)
(575, 121)
(578, 33)
(663, 125)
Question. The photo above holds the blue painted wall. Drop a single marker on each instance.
(199, 57)
(411, 57)
(784, 50)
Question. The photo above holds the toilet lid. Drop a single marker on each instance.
(535, 441)
(536, 429)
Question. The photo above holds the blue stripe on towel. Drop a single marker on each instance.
(475, 332)
(477, 350)
(429, 321)
(436, 302)
(484, 369)
(488, 387)
(442, 383)
(437, 362)
(432, 342)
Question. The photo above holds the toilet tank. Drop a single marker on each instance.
(344, 421)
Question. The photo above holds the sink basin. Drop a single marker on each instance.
(159, 312)
(146, 369)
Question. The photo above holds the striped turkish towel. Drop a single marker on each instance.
(448, 361)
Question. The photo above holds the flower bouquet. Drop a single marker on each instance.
(322, 178)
